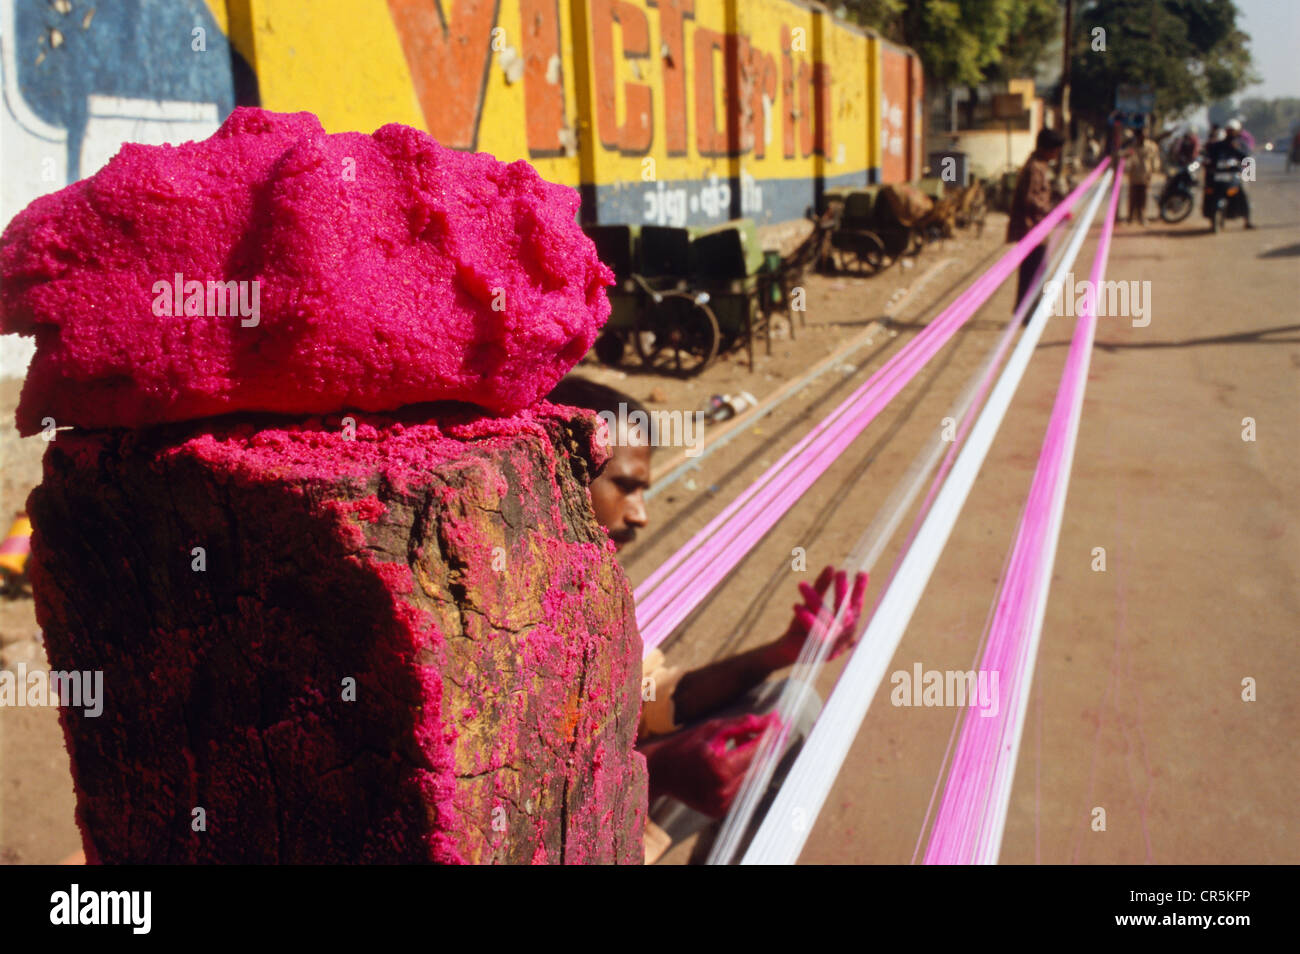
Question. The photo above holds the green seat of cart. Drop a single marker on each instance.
(617, 247)
(830, 195)
(932, 187)
(665, 251)
(727, 251)
(859, 208)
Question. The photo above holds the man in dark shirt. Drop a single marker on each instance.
(1032, 202)
(1231, 146)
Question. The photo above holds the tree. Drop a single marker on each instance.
(1032, 32)
(965, 42)
(1188, 52)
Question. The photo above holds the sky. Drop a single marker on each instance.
(1274, 28)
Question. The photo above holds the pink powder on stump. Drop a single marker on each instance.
(464, 674)
(390, 271)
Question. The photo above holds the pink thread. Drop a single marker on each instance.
(971, 809)
(673, 591)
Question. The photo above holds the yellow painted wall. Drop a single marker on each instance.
(847, 53)
(359, 64)
(340, 59)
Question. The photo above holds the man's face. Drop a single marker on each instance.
(617, 495)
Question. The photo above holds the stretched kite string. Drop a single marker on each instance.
(980, 781)
(784, 830)
(972, 815)
(990, 279)
(779, 468)
(662, 593)
(989, 375)
(862, 558)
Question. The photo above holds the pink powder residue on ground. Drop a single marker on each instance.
(390, 271)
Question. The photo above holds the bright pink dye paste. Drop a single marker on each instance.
(390, 271)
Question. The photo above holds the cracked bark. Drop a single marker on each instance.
(495, 711)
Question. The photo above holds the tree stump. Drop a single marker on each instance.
(394, 638)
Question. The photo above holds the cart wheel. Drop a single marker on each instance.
(609, 348)
(677, 335)
(866, 256)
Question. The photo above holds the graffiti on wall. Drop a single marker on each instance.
(740, 104)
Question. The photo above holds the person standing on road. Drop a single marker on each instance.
(1143, 159)
(1033, 200)
(1114, 133)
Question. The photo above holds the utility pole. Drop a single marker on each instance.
(1065, 84)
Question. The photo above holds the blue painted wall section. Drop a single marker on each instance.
(136, 49)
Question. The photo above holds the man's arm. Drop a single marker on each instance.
(709, 688)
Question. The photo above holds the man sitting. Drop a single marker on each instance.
(700, 728)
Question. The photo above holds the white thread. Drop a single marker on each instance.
(779, 840)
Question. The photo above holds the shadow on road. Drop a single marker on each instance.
(1286, 251)
(1152, 233)
(1259, 336)
(1233, 226)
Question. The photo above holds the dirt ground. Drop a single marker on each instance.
(1137, 702)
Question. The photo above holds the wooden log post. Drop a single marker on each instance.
(388, 638)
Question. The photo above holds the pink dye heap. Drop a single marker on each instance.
(390, 271)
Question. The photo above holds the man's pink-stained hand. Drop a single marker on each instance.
(704, 765)
(806, 622)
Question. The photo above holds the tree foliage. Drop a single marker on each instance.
(1189, 52)
(965, 42)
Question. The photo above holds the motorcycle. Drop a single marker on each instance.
(1224, 196)
(1178, 197)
